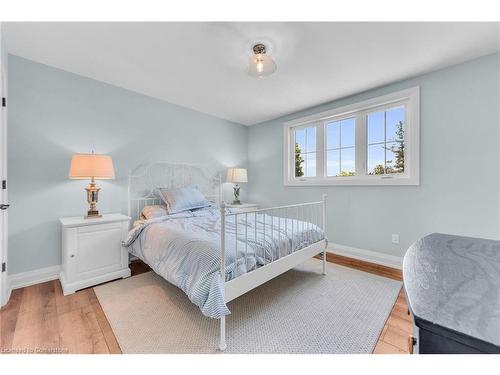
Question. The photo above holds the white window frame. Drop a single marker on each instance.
(410, 98)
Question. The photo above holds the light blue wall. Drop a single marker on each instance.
(53, 114)
(460, 166)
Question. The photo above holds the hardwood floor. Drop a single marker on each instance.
(391, 273)
(40, 319)
(397, 329)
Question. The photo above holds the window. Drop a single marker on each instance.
(385, 141)
(375, 142)
(340, 148)
(305, 152)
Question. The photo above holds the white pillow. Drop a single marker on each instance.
(150, 212)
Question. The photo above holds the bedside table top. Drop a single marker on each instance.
(243, 205)
(80, 221)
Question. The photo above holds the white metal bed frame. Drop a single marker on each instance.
(177, 175)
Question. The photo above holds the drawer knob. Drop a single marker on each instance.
(72, 255)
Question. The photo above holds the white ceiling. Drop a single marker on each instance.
(202, 65)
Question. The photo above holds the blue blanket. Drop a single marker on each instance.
(185, 249)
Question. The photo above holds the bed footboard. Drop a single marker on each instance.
(294, 224)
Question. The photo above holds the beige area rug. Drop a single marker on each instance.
(301, 311)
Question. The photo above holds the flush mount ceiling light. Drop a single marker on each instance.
(260, 64)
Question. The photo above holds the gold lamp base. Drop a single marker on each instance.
(92, 198)
(92, 215)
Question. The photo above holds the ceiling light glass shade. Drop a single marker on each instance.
(261, 65)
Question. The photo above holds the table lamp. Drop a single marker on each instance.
(236, 175)
(93, 167)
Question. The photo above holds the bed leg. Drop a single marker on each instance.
(324, 262)
(222, 342)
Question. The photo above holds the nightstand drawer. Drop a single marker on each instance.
(99, 227)
(244, 207)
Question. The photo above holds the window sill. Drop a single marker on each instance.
(365, 181)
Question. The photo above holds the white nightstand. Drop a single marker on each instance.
(244, 207)
(92, 252)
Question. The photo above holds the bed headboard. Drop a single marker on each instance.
(144, 181)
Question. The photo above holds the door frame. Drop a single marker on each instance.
(4, 289)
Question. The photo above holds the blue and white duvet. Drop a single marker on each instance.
(185, 249)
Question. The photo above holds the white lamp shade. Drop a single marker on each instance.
(86, 166)
(237, 175)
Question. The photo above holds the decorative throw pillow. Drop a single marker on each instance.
(183, 199)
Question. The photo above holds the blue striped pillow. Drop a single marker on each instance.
(183, 199)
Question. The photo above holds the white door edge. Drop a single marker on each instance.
(3, 170)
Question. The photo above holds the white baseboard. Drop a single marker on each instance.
(20, 280)
(366, 255)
